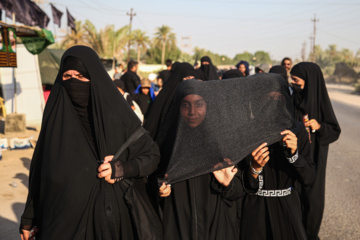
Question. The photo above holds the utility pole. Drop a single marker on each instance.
(314, 35)
(131, 14)
(311, 57)
(186, 45)
(303, 52)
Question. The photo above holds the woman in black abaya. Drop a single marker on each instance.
(271, 208)
(203, 207)
(207, 70)
(311, 101)
(158, 109)
(85, 120)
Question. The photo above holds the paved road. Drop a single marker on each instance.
(342, 206)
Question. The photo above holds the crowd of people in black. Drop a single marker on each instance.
(230, 156)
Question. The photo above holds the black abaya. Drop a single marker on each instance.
(270, 217)
(315, 102)
(66, 199)
(207, 71)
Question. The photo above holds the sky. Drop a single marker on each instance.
(228, 27)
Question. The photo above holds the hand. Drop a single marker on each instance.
(260, 157)
(165, 190)
(224, 176)
(29, 235)
(25, 234)
(105, 170)
(290, 140)
(313, 124)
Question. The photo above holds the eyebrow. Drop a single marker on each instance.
(197, 101)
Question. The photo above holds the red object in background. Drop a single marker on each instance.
(46, 95)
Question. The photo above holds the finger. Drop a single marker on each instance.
(265, 161)
(261, 152)
(287, 132)
(22, 237)
(104, 173)
(162, 187)
(258, 149)
(108, 158)
(103, 167)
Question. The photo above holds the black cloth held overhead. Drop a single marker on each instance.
(314, 101)
(66, 199)
(207, 71)
(131, 82)
(218, 132)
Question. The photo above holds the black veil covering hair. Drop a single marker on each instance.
(314, 99)
(66, 198)
(254, 110)
(159, 108)
(232, 73)
(279, 70)
(207, 72)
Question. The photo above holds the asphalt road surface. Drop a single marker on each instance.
(342, 205)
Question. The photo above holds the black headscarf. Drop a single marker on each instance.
(279, 70)
(66, 198)
(233, 73)
(254, 110)
(207, 71)
(159, 108)
(314, 99)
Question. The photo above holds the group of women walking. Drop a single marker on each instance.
(221, 159)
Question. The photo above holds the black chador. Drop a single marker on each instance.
(83, 122)
(313, 101)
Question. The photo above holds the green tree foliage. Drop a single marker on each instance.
(142, 42)
(165, 40)
(72, 38)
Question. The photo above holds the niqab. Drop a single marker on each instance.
(207, 71)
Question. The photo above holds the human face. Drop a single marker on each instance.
(298, 81)
(145, 90)
(74, 74)
(193, 110)
(242, 68)
(205, 63)
(287, 65)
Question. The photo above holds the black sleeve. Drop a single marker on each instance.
(304, 165)
(129, 100)
(142, 159)
(249, 183)
(232, 192)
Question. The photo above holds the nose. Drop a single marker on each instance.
(191, 111)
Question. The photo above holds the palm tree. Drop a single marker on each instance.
(164, 37)
(75, 38)
(108, 42)
(142, 41)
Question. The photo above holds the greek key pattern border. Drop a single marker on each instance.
(274, 193)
